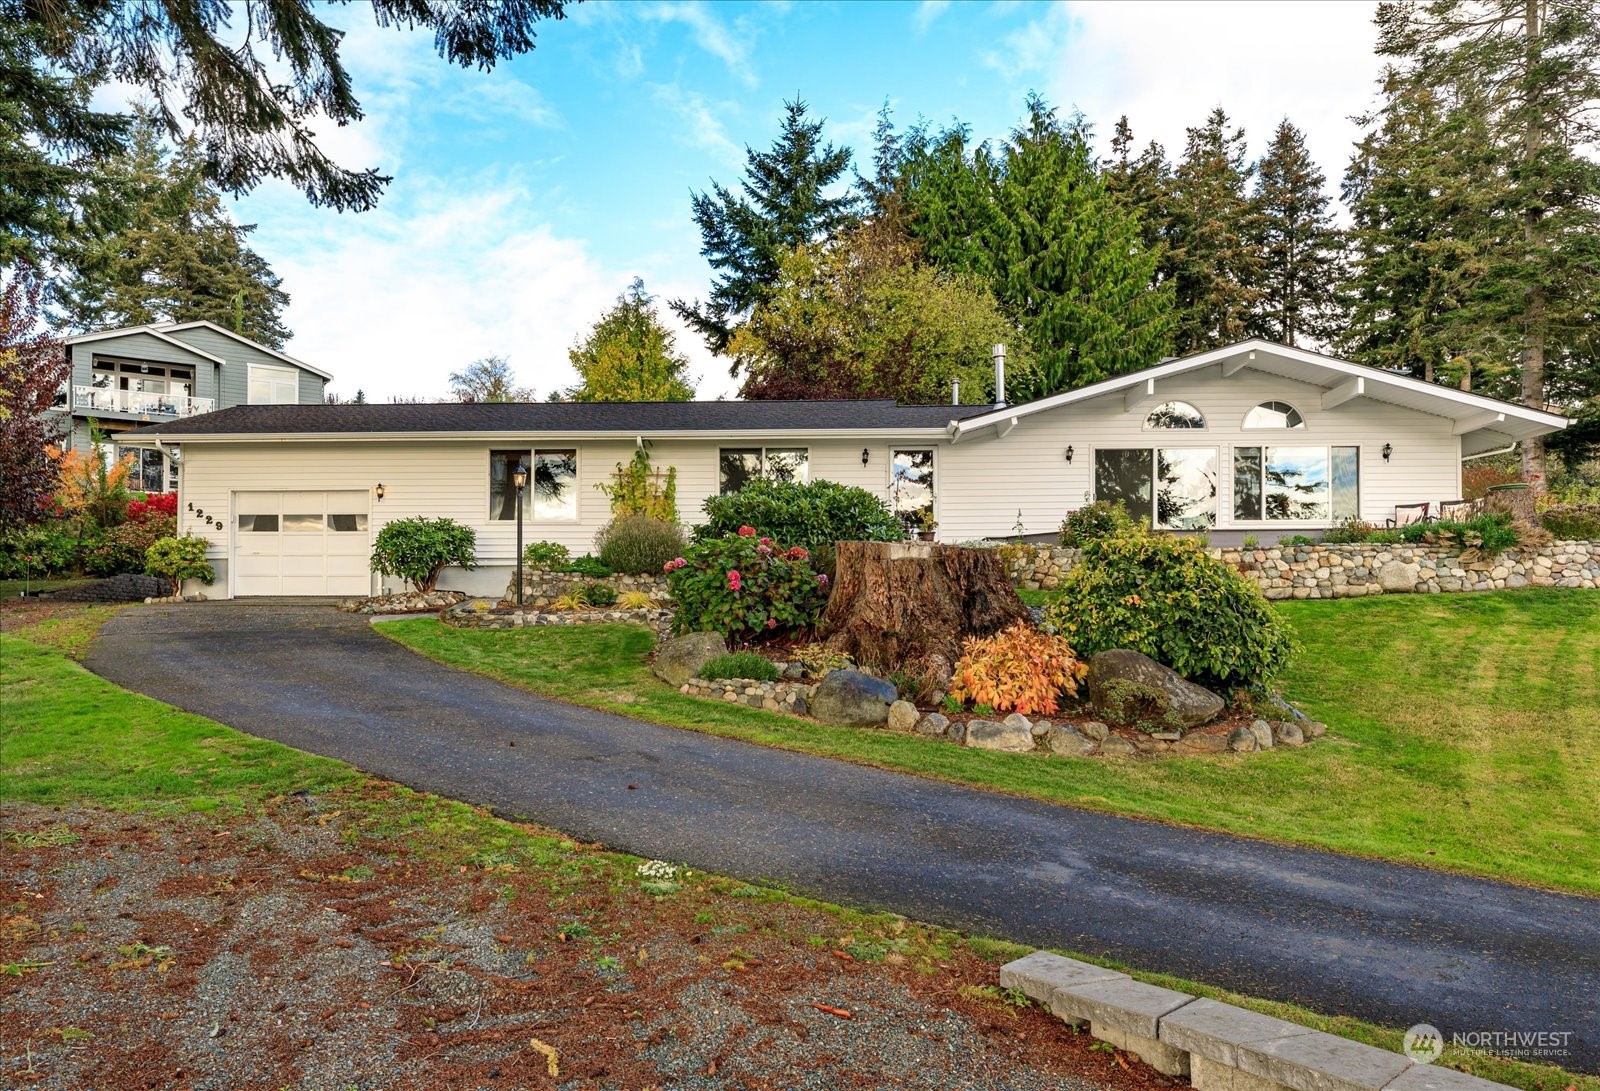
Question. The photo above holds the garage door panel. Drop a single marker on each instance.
(301, 542)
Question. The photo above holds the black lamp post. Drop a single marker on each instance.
(519, 478)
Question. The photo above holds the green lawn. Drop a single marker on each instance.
(1464, 732)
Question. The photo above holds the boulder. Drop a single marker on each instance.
(1066, 740)
(1115, 746)
(988, 735)
(1041, 730)
(1190, 705)
(1263, 733)
(1397, 576)
(1202, 744)
(853, 699)
(1018, 720)
(903, 716)
(956, 732)
(1287, 734)
(1094, 729)
(680, 658)
(1314, 729)
(934, 723)
(1242, 740)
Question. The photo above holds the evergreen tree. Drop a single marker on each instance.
(1141, 183)
(1298, 243)
(156, 244)
(1531, 72)
(949, 189)
(630, 356)
(782, 204)
(1214, 264)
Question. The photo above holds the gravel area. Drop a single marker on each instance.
(309, 947)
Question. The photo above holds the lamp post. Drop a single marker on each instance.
(519, 478)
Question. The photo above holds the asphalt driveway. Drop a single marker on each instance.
(1385, 942)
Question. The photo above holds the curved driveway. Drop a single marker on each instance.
(1386, 942)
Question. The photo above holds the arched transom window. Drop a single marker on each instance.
(1274, 415)
(1174, 415)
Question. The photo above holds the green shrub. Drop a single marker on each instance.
(551, 555)
(1165, 597)
(1490, 534)
(638, 544)
(1101, 519)
(47, 549)
(1573, 522)
(599, 594)
(586, 565)
(814, 515)
(638, 489)
(1297, 540)
(179, 559)
(744, 586)
(123, 547)
(1250, 541)
(741, 665)
(418, 549)
(1349, 531)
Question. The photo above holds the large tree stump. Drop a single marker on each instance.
(904, 607)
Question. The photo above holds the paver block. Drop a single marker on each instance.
(1157, 1054)
(1208, 1075)
(1428, 1077)
(1321, 1062)
(1042, 973)
(1127, 1004)
(1215, 1030)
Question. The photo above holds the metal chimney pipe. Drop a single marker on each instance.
(955, 391)
(999, 355)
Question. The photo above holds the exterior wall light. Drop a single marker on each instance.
(379, 491)
(1388, 449)
(1069, 453)
(866, 455)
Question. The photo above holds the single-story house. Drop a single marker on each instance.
(1255, 438)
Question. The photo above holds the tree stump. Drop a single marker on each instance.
(1517, 503)
(904, 607)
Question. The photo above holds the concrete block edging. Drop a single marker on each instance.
(1220, 1047)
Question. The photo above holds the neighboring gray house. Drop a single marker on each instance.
(140, 375)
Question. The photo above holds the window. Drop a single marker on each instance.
(149, 473)
(1296, 483)
(258, 524)
(1274, 415)
(738, 466)
(911, 490)
(1174, 415)
(345, 524)
(1173, 487)
(310, 523)
(271, 385)
(552, 492)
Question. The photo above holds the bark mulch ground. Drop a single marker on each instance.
(334, 942)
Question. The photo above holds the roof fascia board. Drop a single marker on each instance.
(284, 356)
(84, 338)
(923, 433)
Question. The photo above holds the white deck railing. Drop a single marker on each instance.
(100, 399)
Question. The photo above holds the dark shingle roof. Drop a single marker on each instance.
(621, 417)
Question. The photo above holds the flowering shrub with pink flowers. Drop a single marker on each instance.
(744, 586)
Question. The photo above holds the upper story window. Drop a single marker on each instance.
(737, 466)
(1174, 415)
(270, 385)
(1274, 415)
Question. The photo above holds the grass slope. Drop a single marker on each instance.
(1465, 732)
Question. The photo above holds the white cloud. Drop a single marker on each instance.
(710, 34)
(702, 127)
(927, 12)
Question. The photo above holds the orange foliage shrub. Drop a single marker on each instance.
(91, 487)
(1018, 670)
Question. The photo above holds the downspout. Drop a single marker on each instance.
(1506, 450)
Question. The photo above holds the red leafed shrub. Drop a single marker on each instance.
(1018, 670)
(156, 503)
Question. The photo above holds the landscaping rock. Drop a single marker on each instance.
(1287, 734)
(1398, 576)
(1069, 742)
(1008, 736)
(1314, 729)
(1242, 740)
(956, 732)
(1041, 730)
(1094, 729)
(852, 699)
(1263, 733)
(903, 716)
(1115, 746)
(1018, 720)
(680, 659)
(1192, 705)
(1202, 744)
(934, 723)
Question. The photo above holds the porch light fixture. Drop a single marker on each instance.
(378, 492)
(1388, 449)
(519, 478)
(865, 456)
(1069, 452)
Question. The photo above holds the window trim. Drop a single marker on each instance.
(528, 506)
(1154, 451)
(1205, 421)
(1263, 523)
(1303, 427)
(250, 379)
(761, 472)
(889, 488)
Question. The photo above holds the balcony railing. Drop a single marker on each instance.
(100, 399)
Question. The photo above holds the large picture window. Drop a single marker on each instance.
(1299, 484)
(1174, 487)
(552, 493)
(271, 385)
(911, 492)
(738, 466)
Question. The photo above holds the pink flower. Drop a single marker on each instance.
(734, 579)
(766, 541)
(797, 553)
(763, 549)
(772, 623)
(822, 581)
(747, 532)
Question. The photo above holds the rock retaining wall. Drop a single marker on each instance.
(481, 614)
(1349, 571)
(541, 587)
(790, 697)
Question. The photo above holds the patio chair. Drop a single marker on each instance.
(1407, 514)
(1458, 511)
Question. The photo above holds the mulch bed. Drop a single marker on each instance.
(294, 948)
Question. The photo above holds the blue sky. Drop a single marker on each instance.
(525, 199)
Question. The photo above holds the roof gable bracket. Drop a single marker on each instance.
(1004, 428)
(1476, 421)
(1140, 395)
(1346, 391)
(1236, 364)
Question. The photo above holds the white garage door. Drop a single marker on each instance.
(301, 543)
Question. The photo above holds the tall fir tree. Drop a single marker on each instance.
(630, 356)
(783, 203)
(1299, 245)
(1214, 263)
(1531, 71)
(948, 185)
(1141, 183)
(157, 244)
